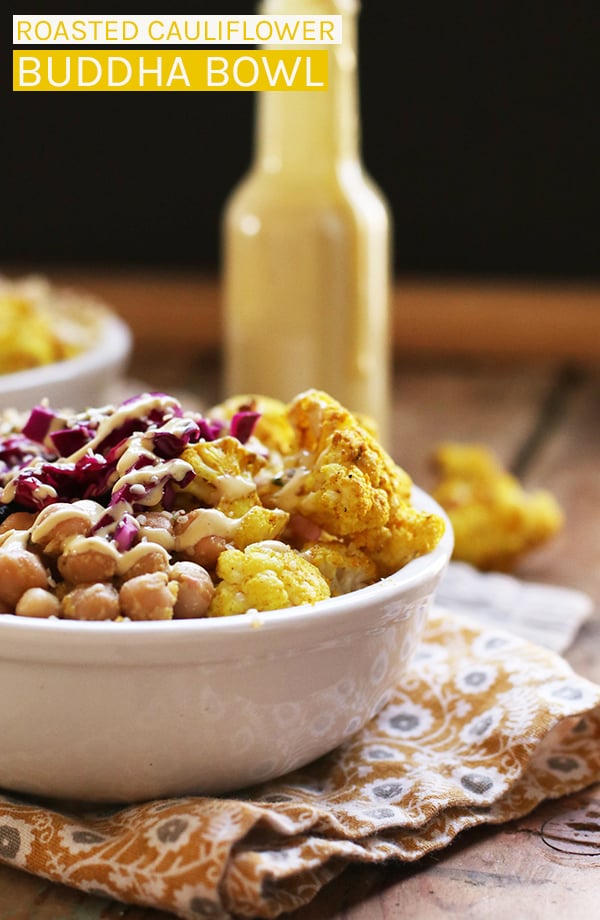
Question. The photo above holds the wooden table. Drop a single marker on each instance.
(538, 406)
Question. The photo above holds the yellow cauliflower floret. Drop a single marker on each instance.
(343, 488)
(272, 428)
(495, 520)
(268, 576)
(471, 462)
(339, 475)
(341, 479)
(259, 523)
(343, 567)
(409, 533)
(225, 471)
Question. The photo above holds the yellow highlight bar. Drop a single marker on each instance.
(194, 70)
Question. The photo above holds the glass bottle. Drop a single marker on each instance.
(306, 245)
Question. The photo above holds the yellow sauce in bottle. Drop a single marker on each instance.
(307, 246)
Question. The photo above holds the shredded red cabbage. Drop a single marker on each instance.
(69, 440)
(210, 429)
(39, 466)
(243, 423)
(47, 482)
(17, 451)
(168, 444)
(125, 532)
(38, 424)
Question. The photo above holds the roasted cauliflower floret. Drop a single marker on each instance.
(225, 471)
(265, 576)
(339, 473)
(409, 533)
(258, 524)
(343, 567)
(341, 488)
(470, 462)
(495, 520)
(342, 480)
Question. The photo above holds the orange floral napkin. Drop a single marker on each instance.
(483, 728)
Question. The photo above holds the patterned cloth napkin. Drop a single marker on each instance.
(483, 728)
(547, 614)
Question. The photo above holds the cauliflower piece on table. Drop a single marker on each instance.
(265, 576)
(495, 520)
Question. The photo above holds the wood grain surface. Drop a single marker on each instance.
(542, 416)
(447, 317)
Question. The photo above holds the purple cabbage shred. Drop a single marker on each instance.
(68, 440)
(39, 463)
(125, 532)
(243, 423)
(38, 424)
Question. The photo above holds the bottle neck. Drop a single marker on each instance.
(313, 132)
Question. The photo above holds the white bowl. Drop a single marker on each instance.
(130, 711)
(80, 381)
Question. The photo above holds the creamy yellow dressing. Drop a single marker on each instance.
(205, 523)
(287, 495)
(307, 246)
(147, 482)
(78, 544)
(127, 560)
(54, 515)
(142, 405)
(160, 536)
(232, 487)
(17, 539)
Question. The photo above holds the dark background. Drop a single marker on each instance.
(479, 123)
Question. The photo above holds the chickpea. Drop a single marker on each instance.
(18, 520)
(91, 602)
(57, 523)
(148, 597)
(195, 590)
(38, 602)
(157, 527)
(62, 588)
(154, 559)
(20, 569)
(85, 566)
(182, 521)
(206, 551)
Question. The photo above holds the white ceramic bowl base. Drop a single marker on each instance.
(131, 711)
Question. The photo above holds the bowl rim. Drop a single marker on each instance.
(110, 348)
(426, 568)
